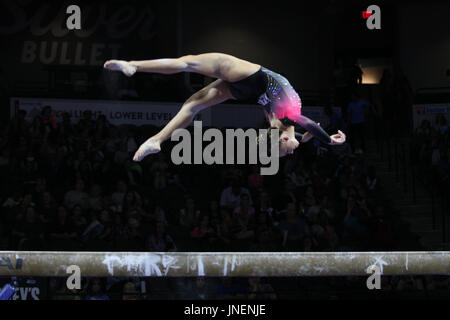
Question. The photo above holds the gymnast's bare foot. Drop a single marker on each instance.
(148, 147)
(120, 65)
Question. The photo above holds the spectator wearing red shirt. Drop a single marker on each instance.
(255, 179)
(204, 229)
(47, 117)
(244, 208)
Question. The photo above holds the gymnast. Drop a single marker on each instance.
(237, 79)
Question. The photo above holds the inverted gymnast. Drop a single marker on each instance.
(237, 79)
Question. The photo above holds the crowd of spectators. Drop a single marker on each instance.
(72, 185)
(430, 153)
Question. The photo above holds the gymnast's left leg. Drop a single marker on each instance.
(214, 93)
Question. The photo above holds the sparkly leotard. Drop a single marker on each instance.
(272, 91)
(275, 94)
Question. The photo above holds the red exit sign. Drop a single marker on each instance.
(366, 14)
(372, 15)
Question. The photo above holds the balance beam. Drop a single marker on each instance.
(222, 264)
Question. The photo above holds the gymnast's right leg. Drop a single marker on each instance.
(207, 64)
(214, 65)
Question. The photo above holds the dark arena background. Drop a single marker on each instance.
(367, 219)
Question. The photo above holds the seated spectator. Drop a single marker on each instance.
(189, 214)
(85, 171)
(201, 290)
(354, 219)
(96, 290)
(310, 244)
(117, 197)
(266, 237)
(214, 213)
(424, 129)
(258, 290)
(66, 172)
(76, 196)
(14, 200)
(244, 207)
(224, 230)
(113, 142)
(441, 124)
(160, 241)
(231, 196)
(4, 159)
(46, 208)
(386, 283)
(47, 118)
(28, 231)
(293, 226)
(78, 220)
(255, 179)
(229, 289)
(129, 292)
(19, 151)
(408, 283)
(437, 283)
(288, 194)
(133, 172)
(381, 231)
(158, 215)
(371, 179)
(40, 187)
(11, 207)
(95, 200)
(62, 227)
(242, 227)
(133, 230)
(300, 176)
(66, 127)
(265, 205)
(159, 180)
(100, 228)
(264, 221)
(121, 154)
(204, 230)
(28, 168)
(310, 198)
(132, 201)
(160, 163)
(86, 121)
(333, 243)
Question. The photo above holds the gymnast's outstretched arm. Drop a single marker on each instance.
(317, 131)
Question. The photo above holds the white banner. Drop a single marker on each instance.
(154, 113)
(116, 112)
(429, 112)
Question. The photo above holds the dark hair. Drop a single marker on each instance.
(91, 283)
(288, 122)
(244, 195)
(45, 108)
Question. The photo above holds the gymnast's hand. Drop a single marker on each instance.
(338, 138)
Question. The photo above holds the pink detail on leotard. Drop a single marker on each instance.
(288, 107)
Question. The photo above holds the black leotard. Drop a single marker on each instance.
(275, 94)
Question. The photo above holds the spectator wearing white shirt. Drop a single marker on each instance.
(231, 196)
(77, 196)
